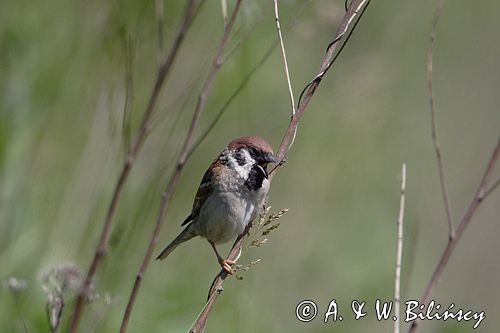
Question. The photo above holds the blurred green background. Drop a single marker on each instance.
(62, 94)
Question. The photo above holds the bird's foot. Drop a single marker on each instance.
(226, 265)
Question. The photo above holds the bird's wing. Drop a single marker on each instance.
(204, 190)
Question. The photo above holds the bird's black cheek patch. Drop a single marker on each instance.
(255, 178)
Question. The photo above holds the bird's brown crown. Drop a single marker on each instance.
(251, 141)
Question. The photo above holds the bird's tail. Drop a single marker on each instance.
(184, 236)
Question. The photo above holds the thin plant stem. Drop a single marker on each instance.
(179, 166)
(355, 8)
(216, 289)
(481, 194)
(245, 81)
(399, 249)
(102, 246)
(287, 71)
(434, 130)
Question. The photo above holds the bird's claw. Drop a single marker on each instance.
(226, 265)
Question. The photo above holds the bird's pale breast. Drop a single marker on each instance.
(227, 212)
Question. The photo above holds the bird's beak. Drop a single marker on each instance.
(264, 171)
(269, 158)
(263, 161)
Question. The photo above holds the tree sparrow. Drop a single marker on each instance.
(230, 195)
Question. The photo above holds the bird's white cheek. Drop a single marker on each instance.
(241, 171)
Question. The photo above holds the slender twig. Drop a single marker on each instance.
(244, 33)
(399, 250)
(226, 105)
(129, 93)
(102, 247)
(483, 191)
(245, 80)
(430, 53)
(203, 315)
(216, 289)
(355, 8)
(481, 194)
(159, 7)
(492, 187)
(181, 161)
(283, 52)
(287, 72)
(223, 4)
(187, 92)
(332, 61)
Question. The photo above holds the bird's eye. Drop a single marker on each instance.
(254, 152)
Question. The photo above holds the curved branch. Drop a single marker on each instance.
(354, 8)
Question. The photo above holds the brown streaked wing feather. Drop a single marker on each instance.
(205, 189)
